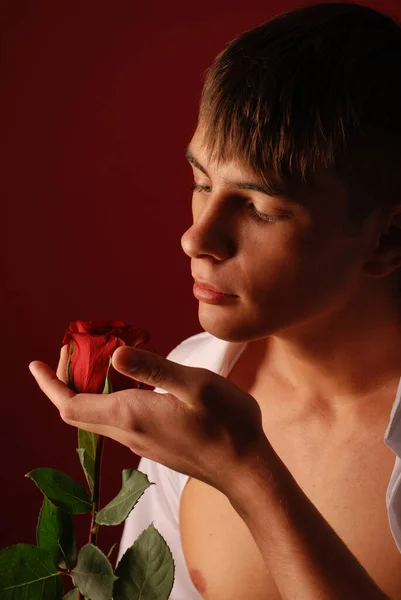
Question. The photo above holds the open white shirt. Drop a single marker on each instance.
(160, 503)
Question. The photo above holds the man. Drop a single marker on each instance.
(273, 465)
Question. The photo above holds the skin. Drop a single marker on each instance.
(318, 304)
(319, 310)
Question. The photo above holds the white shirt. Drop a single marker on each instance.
(160, 503)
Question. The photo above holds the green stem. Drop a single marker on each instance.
(96, 491)
(93, 530)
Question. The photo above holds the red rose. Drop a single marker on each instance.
(94, 344)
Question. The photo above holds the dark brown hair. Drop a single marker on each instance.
(317, 86)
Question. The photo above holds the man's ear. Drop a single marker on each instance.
(386, 256)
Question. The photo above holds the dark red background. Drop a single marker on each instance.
(97, 103)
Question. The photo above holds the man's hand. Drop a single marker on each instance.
(209, 429)
(204, 426)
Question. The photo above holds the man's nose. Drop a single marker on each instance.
(212, 233)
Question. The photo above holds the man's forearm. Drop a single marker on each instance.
(305, 556)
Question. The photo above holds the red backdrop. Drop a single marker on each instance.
(98, 101)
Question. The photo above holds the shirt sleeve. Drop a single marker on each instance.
(392, 439)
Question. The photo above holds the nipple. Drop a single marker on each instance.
(198, 580)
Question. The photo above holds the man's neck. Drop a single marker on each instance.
(342, 361)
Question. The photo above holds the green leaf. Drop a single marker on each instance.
(88, 467)
(146, 570)
(72, 595)
(55, 533)
(93, 574)
(62, 490)
(27, 571)
(87, 444)
(88, 441)
(133, 486)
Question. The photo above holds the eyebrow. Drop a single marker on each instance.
(257, 187)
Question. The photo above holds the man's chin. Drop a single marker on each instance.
(223, 326)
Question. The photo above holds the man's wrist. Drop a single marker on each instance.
(262, 478)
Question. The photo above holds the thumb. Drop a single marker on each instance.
(155, 370)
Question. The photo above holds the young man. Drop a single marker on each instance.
(308, 107)
(296, 219)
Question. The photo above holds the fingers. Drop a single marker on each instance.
(126, 416)
(152, 369)
(50, 384)
(95, 409)
(62, 364)
(74, 408)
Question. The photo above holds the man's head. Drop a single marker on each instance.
(308, 106)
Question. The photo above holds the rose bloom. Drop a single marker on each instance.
(94, 344)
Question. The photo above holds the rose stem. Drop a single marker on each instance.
(96, 490)
(96, 487)
(96, 496)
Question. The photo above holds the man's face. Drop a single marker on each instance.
(299, 268)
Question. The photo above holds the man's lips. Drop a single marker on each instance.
(210, 286)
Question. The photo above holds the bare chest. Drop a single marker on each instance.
(345, 478)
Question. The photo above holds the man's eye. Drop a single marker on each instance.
(255, 214)
(195, 187)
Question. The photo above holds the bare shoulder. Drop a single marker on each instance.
(345, 475)
(224, 561)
